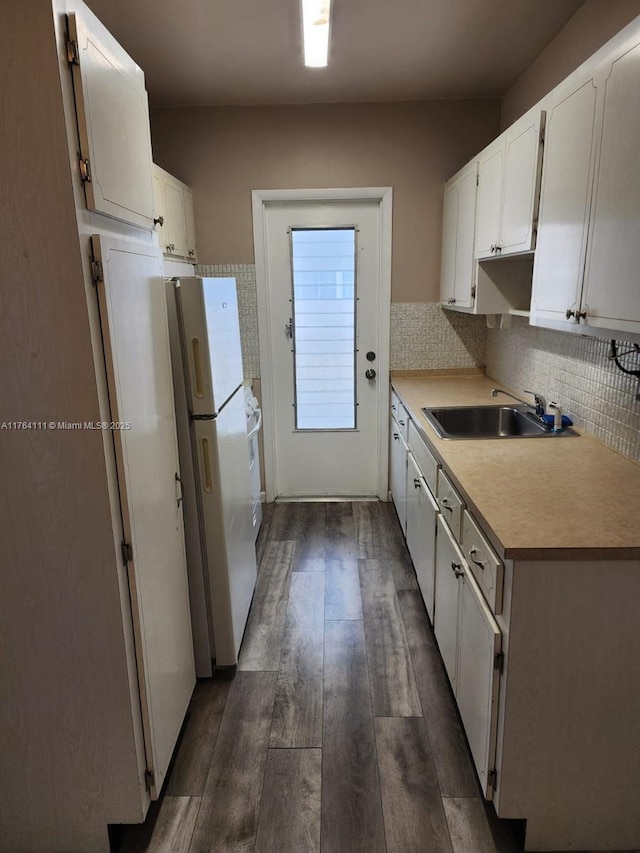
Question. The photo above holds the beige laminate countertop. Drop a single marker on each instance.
(549, 498)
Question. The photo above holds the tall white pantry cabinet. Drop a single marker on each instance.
(96, 659)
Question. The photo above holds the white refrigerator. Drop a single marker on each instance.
(212, 438)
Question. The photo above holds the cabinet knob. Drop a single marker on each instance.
(445, 504)
(457, 569)
(192, 252)
(569, 313)
(416, 483)
(581, 315)
(159, 221)
(493, 247)
(396, 437)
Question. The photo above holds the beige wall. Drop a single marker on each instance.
(225, 152)
(592, 25)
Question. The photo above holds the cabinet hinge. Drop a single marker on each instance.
(127, 552)
(498, 662)
(542, 135)
(149, 779)
(73, 54)
(85, 171)
(96, 271)
(492, 778)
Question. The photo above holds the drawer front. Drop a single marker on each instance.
(424, 458)
(450, 503)
(487, 569)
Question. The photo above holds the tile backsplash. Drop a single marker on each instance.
(426, 337)
(575, 372)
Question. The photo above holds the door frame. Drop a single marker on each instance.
(260, 201)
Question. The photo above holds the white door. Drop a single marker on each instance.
(445, 618)
(422, 512)
(133, 314)
(328, 364)
(113, 124)
(479, 642)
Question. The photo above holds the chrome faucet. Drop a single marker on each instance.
(540, 402)
(496, 391)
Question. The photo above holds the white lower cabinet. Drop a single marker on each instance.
(398, 473)
(422, 512)
(470, 643)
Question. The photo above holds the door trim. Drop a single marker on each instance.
(260, 200)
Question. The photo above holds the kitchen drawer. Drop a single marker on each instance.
(424, 458)
(484, 564)
(450, 503)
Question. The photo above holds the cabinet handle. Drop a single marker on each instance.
(192, 252)
(475, 562)
(159, 221)
(569, 313)
(393, 408)
(179, 482)
(581, 315)
(396, 437)
(445, 504)
(401, 423)
(457, 569)
(493, 247)
(416, 483)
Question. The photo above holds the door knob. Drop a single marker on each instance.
(370, 374)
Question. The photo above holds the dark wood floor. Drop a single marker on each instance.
(338, 732)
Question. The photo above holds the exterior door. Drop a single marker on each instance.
(327, 373)
(133, 315)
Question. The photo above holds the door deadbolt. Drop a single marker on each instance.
(370, 374)
(371, 356)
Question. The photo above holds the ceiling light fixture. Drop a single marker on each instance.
(315, 31)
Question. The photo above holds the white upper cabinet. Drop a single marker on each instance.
(113, 124)
(458, 266)
(174, 215)
(611, 297)
(564, 203)
(586, 265)
(508, 189)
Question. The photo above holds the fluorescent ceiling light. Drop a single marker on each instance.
(315, 31)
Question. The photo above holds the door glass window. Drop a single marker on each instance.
(323, 264)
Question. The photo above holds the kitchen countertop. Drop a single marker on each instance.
(551, 498)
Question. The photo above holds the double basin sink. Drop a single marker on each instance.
(465, 422)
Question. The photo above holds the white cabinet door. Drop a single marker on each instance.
(422, 512)
(449, 237)
(134, 327)
(398, 473)
(458, 265)
(479, 642)
(611, 297)
(521, 184)
(176, 224)
(490, 169)
(190, 223)
(449, 564)
(564, 205)
(465, 234)
(113, 125)
(509, 173)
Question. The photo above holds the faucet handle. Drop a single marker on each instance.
(541, 403)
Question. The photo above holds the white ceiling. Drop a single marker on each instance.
(249, 51)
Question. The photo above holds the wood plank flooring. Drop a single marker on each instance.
(338, 732)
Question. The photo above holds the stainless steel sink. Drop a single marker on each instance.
(460, 422)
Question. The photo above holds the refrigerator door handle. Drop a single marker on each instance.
(206, 464)
(181, 495)
(197, 367)
(257, 426)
